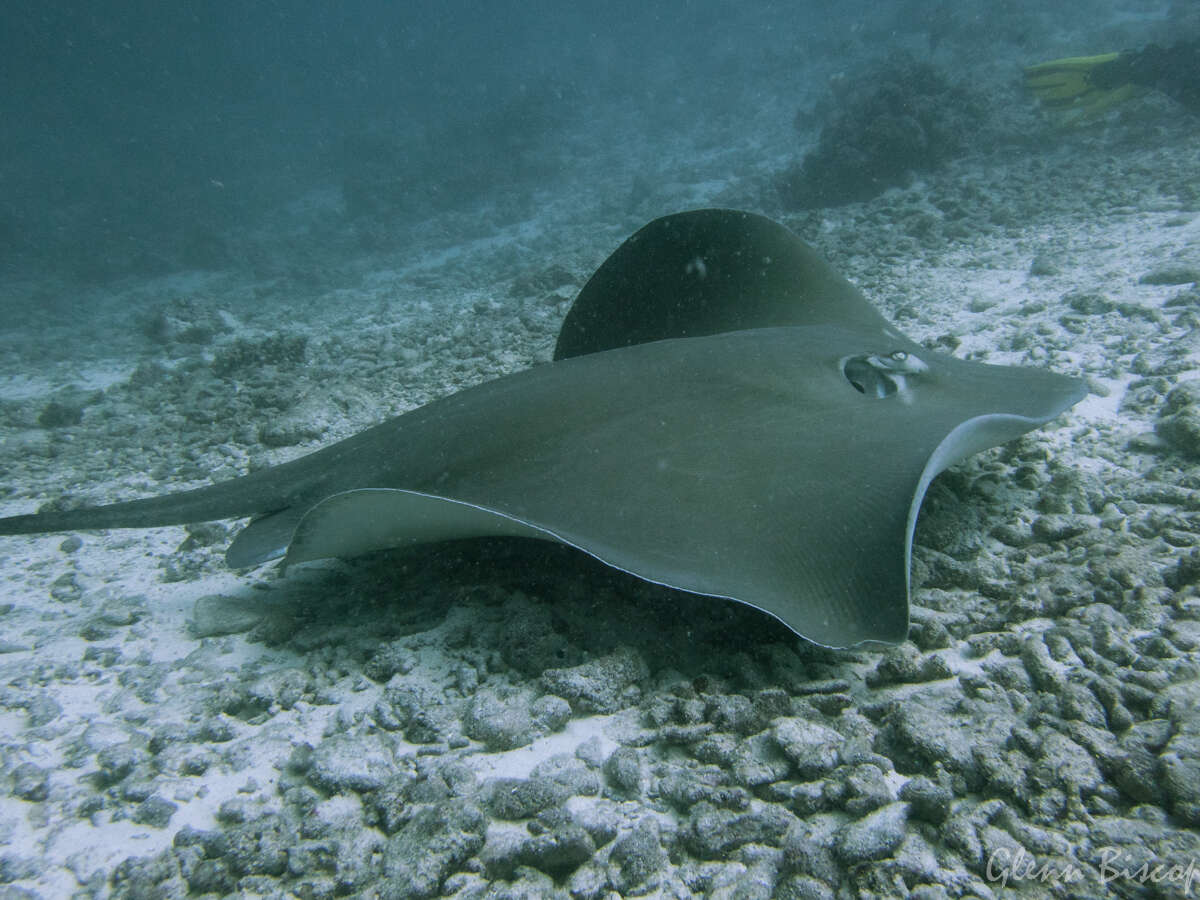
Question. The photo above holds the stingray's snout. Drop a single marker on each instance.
(881, 375)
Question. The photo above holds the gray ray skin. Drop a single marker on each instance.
(782, 464)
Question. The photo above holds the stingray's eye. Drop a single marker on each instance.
(902, 363)
(878, 375)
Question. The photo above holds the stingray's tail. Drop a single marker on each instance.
(227, 500)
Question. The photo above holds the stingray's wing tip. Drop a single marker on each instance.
(266, 538)
(241, 558)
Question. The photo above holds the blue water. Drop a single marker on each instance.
(142, 138)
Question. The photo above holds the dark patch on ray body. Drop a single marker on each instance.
(725, 415)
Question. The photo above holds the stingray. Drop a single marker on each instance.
(724, 415)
